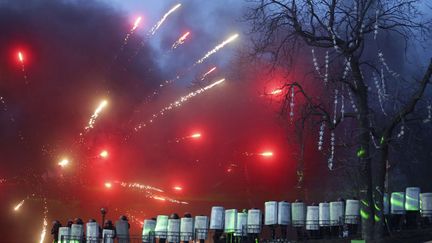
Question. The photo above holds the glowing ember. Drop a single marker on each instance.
(217, 48)
(95, 115)
(19, 205)
(180, 41)
(162, 20)
(104, 154)
(63, 163)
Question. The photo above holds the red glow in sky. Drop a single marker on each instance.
(177, 188)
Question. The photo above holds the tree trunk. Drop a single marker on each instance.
(381, 172)
(365, 170)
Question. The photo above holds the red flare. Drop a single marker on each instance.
(20, 57)
(196, 135)
(267, 154)
(104, 154)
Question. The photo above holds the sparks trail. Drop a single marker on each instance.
(176, 104)
(130, 33)
(155, 28)
(208, 73)
(193, 136)
(168, 82)
(45, 222)
(138, 186)
(95, 115)
(21, 60)
(180, 41)
(162, 20)
(6, 110)
(217, 48)
(148, 192)
(263, 154)
(19, 205)
(163, 198)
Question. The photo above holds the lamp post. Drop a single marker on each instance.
(103, 211)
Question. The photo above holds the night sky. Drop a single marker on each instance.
(74, 57)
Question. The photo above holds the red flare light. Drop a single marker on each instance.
(20, 57)
(196, 135)
(267, 154)
(178, 188)
(104, 154)
(63, 163)
(276, 92)
(108, 185)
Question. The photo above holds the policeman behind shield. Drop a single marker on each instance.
(122, 228)
(55, 230)
(108, 225)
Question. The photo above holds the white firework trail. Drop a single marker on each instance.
(177, 104)
(180, 41)
(162, 198)
(217, 48)
(162, 20)
(139, 186)
(130, 33)
(95, 115)
(45, 223)
(208, 73)
(19, 205)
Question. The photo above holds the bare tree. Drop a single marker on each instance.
(351, 36)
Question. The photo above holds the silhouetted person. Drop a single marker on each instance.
(78, 235)
(110, 226)
(55, 230)
(69, 223)
(122, 228)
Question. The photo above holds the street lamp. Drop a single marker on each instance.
(103, 211)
